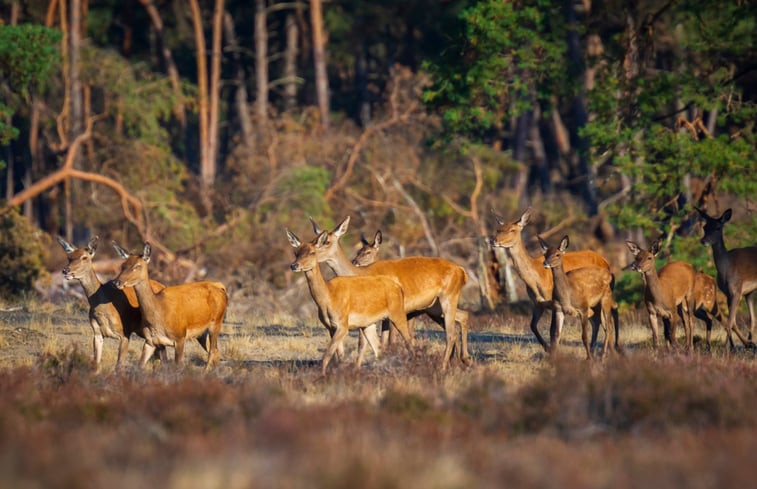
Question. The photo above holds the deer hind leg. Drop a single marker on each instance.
(585, 334)
(704, 316)
(214, 357)
(463, 318)
(123, 347)
(555, 328)
(449, 307)
(367, 335)
(750, 298)
(606, 311)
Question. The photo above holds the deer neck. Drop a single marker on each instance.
(654, 287)
(536, 277)
(720, 254)
(561, 288)
(90, 283)
(148, 301)
(341, 265)
(318, 289)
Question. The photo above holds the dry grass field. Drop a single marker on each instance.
(265, 418)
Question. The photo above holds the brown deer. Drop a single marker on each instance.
(538, 279)
(346, 303)
(176, 313)
(582, 292)
(668, 294)
(431, 286)
(113, 313)
(737, 270)
(706, 307)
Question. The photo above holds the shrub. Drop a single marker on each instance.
(21, 255)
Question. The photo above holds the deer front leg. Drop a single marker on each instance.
(97, 344)
(147, 351)
(750, 298)
(179, 352)
(654, 326)
(339, 333)
(535, 317)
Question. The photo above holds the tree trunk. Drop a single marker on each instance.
(209, 174)
(243, 109)
(586, 181)
(261, 60)
(319, 60)
(76, 110)
(540, 154)
(361, 83)
(519, 142)
(290, 62)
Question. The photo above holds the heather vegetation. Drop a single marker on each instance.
(208, 128)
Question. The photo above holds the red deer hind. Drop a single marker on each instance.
(176, 313)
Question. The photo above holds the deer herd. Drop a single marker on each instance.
(372, 295)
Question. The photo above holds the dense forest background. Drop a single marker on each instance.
(207, 127)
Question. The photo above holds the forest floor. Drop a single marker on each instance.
(266, 418)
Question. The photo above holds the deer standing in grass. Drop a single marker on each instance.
(668, 294)
(582, 292)
(538, 280)
(706, 308)
(176, 313)
(113, 313)
(737, 271)
(431, 286)
(346, 303)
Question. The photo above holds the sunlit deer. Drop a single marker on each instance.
(668, 294)
(346, 303)
(113, 313)
(368, 251)
(737, 270)
(582, 292)
(176, 313)
(538, 279)
(431, 286)
(706, 307)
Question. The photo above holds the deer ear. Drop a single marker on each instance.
(564, 243)
(633, 247)
(293, 240)
(120, 251)
(525, 218)
(342, 227)
(92, 245)
(146, 251)
(500, 220)
(67, 247)
(725, 217)
(656, 246)
(543, 244)
(320, 241)
(377, 239)
(316, 227)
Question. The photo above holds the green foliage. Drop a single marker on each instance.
(504, 59)
(29, 54)
(21, 255)
(636, 121)
(629, 289)
(303, 188)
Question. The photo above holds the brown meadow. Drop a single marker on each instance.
(265, 417)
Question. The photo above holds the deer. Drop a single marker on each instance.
(706, 307)
(668, 293)
(737, 271)
(351, 302)
(539, 281)
(582, 292)
(431, 286)
(175, 313)
(113, 313)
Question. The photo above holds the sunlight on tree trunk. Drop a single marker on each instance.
(319, 59)
(290, 62)
(261, 60)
